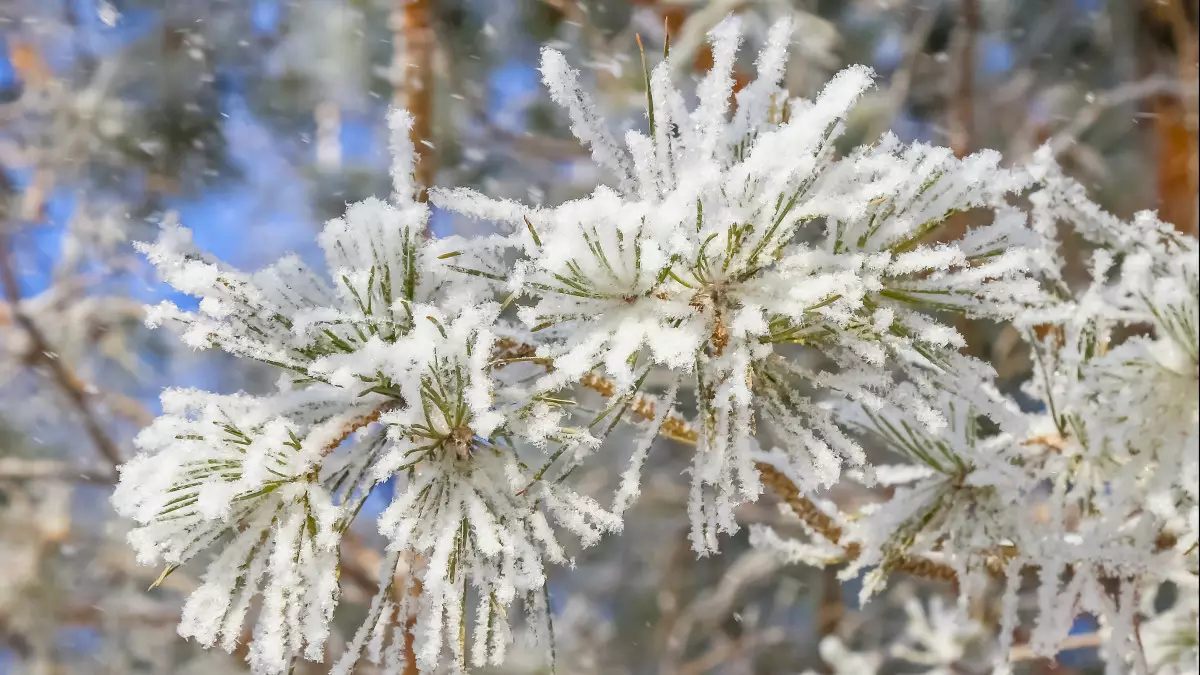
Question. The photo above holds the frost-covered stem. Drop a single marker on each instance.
(410, 623)
(356, 424)
(803, 507)
(823, 525)
(42, 351)
(678, 429)
(414, 31)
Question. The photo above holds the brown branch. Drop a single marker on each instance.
(358, 423)
(680, 430)
(728, 649)
(360, 563)
(961, 124)
(413, 25)
(822, 524)
(1177, 124)
(44, 352)
(962, 99)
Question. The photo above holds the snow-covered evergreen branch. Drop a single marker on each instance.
(740, 261)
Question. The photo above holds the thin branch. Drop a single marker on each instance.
(726, 650)
(898, 91)
(1103, 102)
(358, 423)
(414, 41)
(825, 526)
(360, 563)
(44, 352)
(21, 469)
(680, 430)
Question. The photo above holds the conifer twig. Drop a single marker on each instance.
(678, 429)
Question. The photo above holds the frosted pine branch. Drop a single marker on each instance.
(745, 291)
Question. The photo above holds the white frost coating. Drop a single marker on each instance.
(795, 293)
(699, 267)
(404, 190)
(562, 81)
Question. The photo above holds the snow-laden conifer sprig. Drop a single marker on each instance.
(463, 503)
(993, 505)
(741, 258)
(1127, 410)
(954, 494)
(732, 236)
(242, 474)
(270, 482)
(378, 263)
(1096, 492)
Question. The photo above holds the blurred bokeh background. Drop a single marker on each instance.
(256, 120)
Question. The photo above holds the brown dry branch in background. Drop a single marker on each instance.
(413, 43)
(1172, 37)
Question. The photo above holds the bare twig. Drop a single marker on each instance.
(43, 351)
(725, 650)
(714, 604)
(1107, 100)
(898, 91)
(21, 469)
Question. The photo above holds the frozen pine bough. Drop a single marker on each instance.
(793, 309)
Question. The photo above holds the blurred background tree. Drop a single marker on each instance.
(256, 120)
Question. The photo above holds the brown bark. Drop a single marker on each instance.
(1170, 41)
(962, 97)
(414, 30)
(415, 42)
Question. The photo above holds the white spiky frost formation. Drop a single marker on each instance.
(1097, 491)
(732, 238)
(738, 256)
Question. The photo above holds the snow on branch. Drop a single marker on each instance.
(741, 261)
